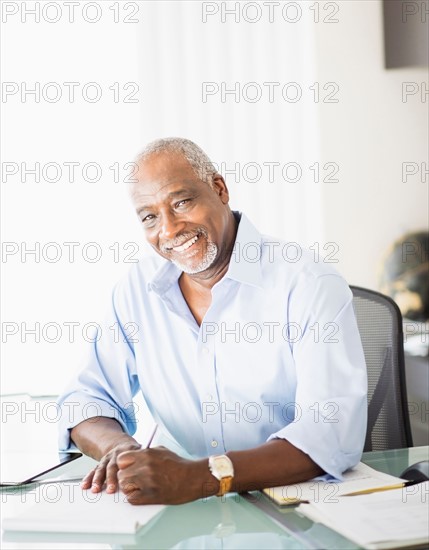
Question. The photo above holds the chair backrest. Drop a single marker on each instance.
(380, 325)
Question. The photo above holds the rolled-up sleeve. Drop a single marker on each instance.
(331, 392)
(107, 380)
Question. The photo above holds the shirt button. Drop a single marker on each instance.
(206, 350)
(214, 443)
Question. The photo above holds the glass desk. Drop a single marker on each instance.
(231, 522)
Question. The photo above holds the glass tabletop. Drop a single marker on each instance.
(228, 522)
(395, 461)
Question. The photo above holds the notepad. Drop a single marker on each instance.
(67, 508)
(382, 520)
(358, 480)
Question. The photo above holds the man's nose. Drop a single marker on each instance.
(171, 225)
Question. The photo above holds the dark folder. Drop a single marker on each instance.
(20, 468)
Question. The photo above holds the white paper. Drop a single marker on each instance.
(385, 519)
(66, 507)
(359, 478)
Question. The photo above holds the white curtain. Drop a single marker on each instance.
(183, 45)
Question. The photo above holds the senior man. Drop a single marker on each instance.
(248, 356)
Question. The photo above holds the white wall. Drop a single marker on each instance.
(369, 133)
(38, 293)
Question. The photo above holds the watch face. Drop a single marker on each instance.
(221, 466)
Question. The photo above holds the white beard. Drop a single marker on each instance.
(207, 260)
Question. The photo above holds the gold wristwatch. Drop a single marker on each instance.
(222, 469)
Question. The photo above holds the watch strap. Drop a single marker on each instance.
(225, 485)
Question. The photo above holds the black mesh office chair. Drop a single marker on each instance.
(380, 325)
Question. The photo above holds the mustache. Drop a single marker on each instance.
(182, 238)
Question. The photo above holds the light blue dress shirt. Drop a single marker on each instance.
(278, 355)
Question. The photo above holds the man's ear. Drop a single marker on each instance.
(220, 188)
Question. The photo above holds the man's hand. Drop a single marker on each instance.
(102, 439)
(159, 476)
(107, 469)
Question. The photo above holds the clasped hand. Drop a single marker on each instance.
(148, 476)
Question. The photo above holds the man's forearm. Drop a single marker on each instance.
(97, 436)
(277, 462)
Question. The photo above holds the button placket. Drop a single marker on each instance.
(211, 413)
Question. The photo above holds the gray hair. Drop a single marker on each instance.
(197, 158)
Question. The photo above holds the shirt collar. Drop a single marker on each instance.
(244, 266)
(245, 262)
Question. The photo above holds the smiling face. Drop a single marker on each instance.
(185, 220)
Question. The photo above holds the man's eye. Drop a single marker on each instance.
(148, 218)
(182, 202)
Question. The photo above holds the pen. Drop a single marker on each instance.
(413, 482)
(152, 435)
